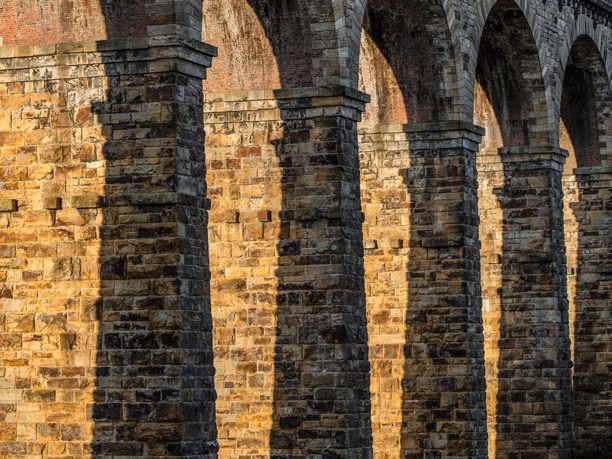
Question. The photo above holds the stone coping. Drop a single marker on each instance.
(529, 153)
(440, 127)
(534, 157)
(287, 94)
(116, 44)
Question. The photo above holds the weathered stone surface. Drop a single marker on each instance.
(347, 320)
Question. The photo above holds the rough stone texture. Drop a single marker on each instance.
(385, 159)
(106, 324)
(490, 179)
(443, 406)
(51, 148)
(534, 361)
(592, 345)
(289, 302)
(245, 187)
(105, 328)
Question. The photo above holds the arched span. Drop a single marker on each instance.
(409, 70)
(350, 30)
(585, 103)
(348, 17)
(265, 44)
(510, 73)
(581, 32)
(484, 10)
(586, 128)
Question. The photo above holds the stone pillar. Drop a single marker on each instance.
(534, 414)
(444, 382)
(154, 394)
(287, 262)
(321, 398)
(593, 300)
(106, 341)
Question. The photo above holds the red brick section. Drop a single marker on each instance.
(35, 22)
(444, 382)
(534, 411)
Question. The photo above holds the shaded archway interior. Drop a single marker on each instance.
(262, 44)
(407, 66)
(510, 74)
(267, 173)
(586, 91)
(408, 69)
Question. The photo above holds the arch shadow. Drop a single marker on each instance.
(320, 402)
(413, 76)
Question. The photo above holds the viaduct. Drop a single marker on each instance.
(306, 229)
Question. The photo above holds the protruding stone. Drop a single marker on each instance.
(52, 203)
(8, 205)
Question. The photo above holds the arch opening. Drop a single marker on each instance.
(408, 69)
(510, 75)
(281, 147)
(407, 66)
(510, 103)
(585, 131)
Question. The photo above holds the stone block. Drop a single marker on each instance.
(8, 205)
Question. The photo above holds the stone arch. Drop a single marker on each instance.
(407, 65)
(586, 132)
(583, 30)
(348, 18)
(585, 103)
(265, 44)
(583, 26)
(409, 70)
(509, 71)
(279, 127)
(510, 102)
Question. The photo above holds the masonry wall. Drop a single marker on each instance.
(314, 237)
(386, 207)
(245, 188)
(53, 187)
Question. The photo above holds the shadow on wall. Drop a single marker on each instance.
(321, 396)
(533, 368)
(442, 348)
(154, 391)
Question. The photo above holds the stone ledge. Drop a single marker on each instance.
(444, 126)
(120, 57)
(594, 173)
(117, 44)
(287, 94)
(534, 155)
(445, 135)
(291, 103)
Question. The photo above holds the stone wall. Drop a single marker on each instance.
(381, 282)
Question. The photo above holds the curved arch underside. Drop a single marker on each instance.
(510, 73)
(263, 44)
(408, 68)
(586, 104)
(586, 126)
